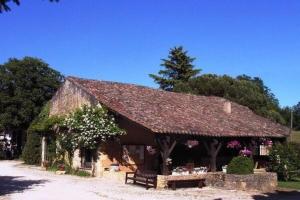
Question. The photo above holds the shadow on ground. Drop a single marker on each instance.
(278, 195)
(13, 184)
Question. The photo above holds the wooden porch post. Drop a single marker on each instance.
(213, 148)
(166, 147)
(252, 145)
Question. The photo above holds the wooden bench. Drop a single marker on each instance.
(200, 182)
(142, 178)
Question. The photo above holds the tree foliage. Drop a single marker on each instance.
(296, 120)
(178, 68)
(247, 91)
(5, 7)
(25, 86)
(32, 151)
(179, 75)
(285, 160)
(295, 111)
(43, 123)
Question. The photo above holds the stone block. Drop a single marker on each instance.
(264, 182)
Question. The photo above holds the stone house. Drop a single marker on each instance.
(161, 121)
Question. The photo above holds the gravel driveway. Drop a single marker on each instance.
(22, 182)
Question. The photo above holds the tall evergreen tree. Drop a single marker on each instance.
(178, 68)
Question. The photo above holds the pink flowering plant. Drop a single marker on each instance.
(234, 144)
(245, 152)
(267, 142)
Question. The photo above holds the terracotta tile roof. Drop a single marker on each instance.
(169, 112)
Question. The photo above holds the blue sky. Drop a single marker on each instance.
(124, 40)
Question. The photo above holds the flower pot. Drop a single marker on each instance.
(114, 167)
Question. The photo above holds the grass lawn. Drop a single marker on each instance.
(294, 184)
(295, 137)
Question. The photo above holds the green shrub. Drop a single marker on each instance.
(2, 155)
(69, 170)
(52, 168)
(240, 165)
(285, 160)
(82, 173)
(42, 124)
(32, 151)
(51, 149)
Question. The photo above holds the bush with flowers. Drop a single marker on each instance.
(87, 127)
(236, 145)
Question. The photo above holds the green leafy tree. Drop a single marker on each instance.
(243, 90)
(178, 68)
(285, 160)
(25, 86)
(286, 114)
(296, 120)
(5, 7)
(295, 111)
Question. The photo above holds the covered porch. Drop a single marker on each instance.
(190, 160)
(189, 154)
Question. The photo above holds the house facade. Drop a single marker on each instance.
(160, 124)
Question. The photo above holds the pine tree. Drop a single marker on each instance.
(178, 68)
(4, 4)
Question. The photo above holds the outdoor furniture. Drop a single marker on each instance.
(174, 183)
(147, 179)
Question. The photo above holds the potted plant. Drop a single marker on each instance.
(114, 167)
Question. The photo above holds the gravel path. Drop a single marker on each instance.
(21, 182)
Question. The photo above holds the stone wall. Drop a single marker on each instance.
(214, 179)
(68, 98)
(265, 182)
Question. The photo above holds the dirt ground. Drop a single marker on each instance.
(22, 182)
